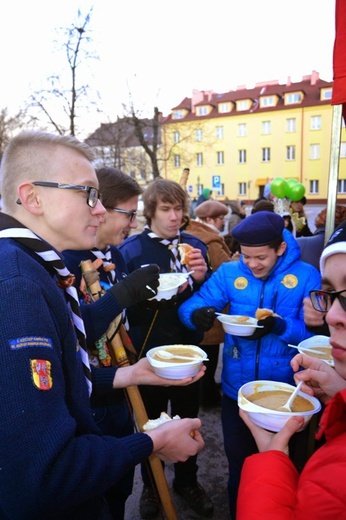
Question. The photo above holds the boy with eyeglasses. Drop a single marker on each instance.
(55, 462)
(110, 408)
(269, 478)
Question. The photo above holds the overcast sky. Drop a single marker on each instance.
(161, 50)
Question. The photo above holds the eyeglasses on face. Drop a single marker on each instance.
(131, 214)
(93, 193)
(323, 300)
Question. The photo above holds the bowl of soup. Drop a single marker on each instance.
(169, 284)
(176, 367)
(263, 399)
(238, 325)
(319, 347)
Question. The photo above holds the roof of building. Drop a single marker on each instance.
(310, 86)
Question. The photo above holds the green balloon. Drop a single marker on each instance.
(296, 192)
(278, 187)
(289, 183)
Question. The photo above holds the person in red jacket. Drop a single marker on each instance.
(271, 487)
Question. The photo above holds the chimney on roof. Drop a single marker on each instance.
(289, 82)
(314, 77)
(241, 87)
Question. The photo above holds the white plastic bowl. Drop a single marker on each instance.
(272, 420)
(169, 285)
(177, 370)
(231, 325)
(312, 343)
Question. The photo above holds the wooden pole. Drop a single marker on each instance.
(119, 353)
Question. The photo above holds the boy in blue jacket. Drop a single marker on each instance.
(268, 275)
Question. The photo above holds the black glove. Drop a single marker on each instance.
(137, 286)
(203, 318)
(271, 324)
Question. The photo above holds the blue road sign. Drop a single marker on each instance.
(216, 181)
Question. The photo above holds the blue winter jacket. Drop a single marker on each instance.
(283, 291)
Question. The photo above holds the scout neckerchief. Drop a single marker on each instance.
(11, 228)
(172, 246)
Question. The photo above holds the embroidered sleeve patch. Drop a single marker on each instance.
(41, 373)
(30, 341)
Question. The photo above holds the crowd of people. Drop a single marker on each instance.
(69, 440)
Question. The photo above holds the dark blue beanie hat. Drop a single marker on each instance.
(259, 229)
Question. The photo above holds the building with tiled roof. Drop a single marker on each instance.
(238, 141)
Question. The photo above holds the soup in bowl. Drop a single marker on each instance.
(263, 399)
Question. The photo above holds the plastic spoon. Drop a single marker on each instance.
(287, 407)
(307, 349)
(169, 355)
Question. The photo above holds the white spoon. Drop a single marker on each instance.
(306, 349)
(169, 355)
(287, 407)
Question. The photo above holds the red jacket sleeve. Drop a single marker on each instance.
(268, 487)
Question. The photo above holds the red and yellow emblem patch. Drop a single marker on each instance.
(41, 373)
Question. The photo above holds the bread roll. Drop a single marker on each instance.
(184, 250)
(153, 423)
(261, 314)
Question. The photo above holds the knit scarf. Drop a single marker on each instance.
(12, 228)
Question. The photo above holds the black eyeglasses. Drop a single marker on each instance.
(323, 300)
(93, 193)
(132, 214)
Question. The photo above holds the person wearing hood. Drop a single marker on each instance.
(268, 275)
(205, 195)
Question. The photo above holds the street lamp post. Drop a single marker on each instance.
(198, 185)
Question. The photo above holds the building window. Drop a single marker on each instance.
(176, 137)
(268, 101)
(291, 124)
(266, 127)
(327, 94)
(242, 131)
(242, 105)
(313, 185)
(343, 149)
(199, 134)
(242, 156)
(219, 132)
(342, 186)
(315, 123)
(293, 98)
(176, 161)
(290, 153)
(224, 107)
(220, 192)
(265, 154)
(199, 159)
(202, 111)
(242, 188)
(314, 151)
(220, 158)
(178, 114)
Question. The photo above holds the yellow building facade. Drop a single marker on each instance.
(237, 142)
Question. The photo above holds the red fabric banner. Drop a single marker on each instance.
(339, 55)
